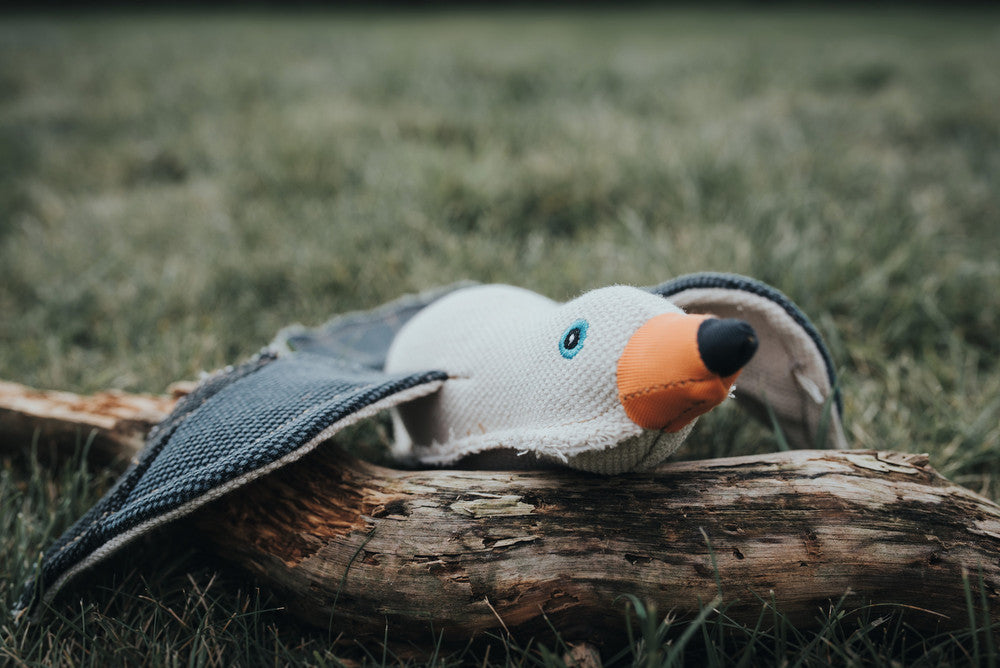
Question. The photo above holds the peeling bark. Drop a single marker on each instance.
(359, 546)
(465, 550)
(113, 423)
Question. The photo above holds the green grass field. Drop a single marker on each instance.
(174, 189)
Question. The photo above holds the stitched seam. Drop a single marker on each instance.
(160, 446)
(166, 438)
(307, 411)
(663, 386)
(263, 437)
(690, 409)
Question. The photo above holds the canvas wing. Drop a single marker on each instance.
(363, 337)
(235, 427)
(791, 376)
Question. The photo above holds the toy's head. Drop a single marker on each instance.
(608, 382)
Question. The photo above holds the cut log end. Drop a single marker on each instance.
(112, 424)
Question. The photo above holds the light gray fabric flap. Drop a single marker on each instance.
(791, 373)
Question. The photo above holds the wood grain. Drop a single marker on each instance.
(465, 550)
(461, 552)
(114, 423)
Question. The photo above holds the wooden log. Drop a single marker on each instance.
(357, 545)
(113, 422)
(471, 551)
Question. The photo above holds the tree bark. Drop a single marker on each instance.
(462, 552)
(470, 551)
(113, 424)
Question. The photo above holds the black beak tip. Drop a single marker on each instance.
(726, 345)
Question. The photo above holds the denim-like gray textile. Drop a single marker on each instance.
(362, 337)
(233, 424)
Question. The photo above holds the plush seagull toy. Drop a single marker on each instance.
(609, 382)
(486, 376)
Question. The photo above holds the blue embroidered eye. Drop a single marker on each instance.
(572, 339)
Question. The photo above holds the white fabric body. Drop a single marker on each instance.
(509, 385)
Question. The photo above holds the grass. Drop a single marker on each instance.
(175, 188)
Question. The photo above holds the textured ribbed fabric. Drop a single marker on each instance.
(522, 373)
(513, 385)
(235, 427)
(362, 337)
(510, 391)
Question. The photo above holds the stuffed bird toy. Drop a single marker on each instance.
(609, 382)
(482, 376)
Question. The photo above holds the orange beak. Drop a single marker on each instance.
(676, 367)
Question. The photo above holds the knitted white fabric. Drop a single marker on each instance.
(511, 386)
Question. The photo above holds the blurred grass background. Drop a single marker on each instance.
(174, 188)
